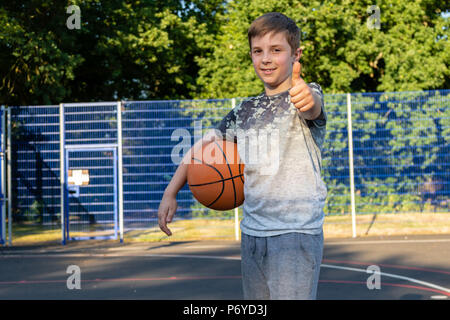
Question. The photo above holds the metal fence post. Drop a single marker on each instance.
(350, 163)
(3, 204)
(62, 171)
(9, 177)
(120, 169)
(236, 210)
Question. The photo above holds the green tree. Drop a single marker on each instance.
(123, 50)
(410, 51)
(33, 67)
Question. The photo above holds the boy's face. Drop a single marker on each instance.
(273, 60)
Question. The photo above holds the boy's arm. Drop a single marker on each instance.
(305, 99)
(168, 204)
(316, 110)
(317, 93)
(179, 179)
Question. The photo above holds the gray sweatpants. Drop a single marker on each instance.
(283, 267)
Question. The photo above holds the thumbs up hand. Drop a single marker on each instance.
(302, 96)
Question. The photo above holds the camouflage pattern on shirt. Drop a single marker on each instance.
(282, 152)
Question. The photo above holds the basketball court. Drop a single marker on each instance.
(410, 268)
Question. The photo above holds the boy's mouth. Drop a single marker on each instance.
(268, 71)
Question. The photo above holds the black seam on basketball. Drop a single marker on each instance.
(197, 160)
(231, 173)
(204, 184)
(223, 183)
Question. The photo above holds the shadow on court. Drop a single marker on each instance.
(409, 268)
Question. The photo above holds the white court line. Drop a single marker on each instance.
(391, 275)
(427, 284)
(334, 242)
(385, 241)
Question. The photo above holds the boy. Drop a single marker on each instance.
(282, 238)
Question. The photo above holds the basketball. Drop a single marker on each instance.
(216, 176)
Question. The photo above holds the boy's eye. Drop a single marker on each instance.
(259, 51)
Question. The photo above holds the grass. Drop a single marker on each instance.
(388, 225)
(215, 229)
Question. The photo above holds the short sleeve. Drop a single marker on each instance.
(227, 127)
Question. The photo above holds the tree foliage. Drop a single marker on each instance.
(410, 51)
(123, 50)
(155, 49)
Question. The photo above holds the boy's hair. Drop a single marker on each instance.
(275, 22)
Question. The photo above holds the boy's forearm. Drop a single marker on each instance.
(316, 110)
(179, 179)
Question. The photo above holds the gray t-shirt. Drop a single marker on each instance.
(282, 152)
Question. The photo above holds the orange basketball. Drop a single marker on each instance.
(216, 176)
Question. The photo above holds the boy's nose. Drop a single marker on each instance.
(267, 58)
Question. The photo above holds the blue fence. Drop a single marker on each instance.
(2, 192)
(35, 164)
(90, 142)
(401, 147)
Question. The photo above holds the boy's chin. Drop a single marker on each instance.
(271, 85)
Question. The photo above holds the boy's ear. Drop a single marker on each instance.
(298, 54)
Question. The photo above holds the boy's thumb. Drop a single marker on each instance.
(296, 71)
